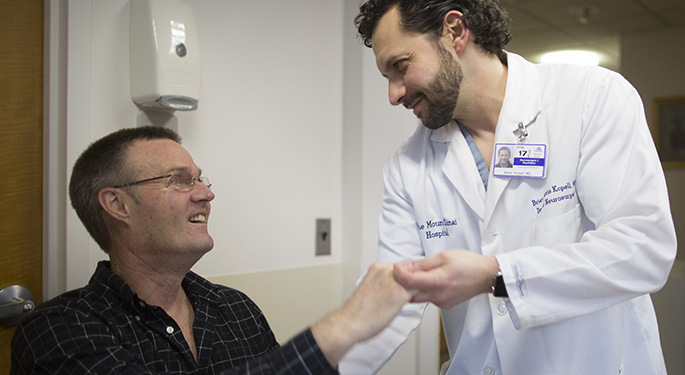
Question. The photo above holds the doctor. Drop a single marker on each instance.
(542, 268)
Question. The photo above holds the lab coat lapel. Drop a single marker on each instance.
(522, 104)
(460, 168)
(496, 187)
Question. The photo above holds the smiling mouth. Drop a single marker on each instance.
(200, 218)
(413, 101)
(414, 107)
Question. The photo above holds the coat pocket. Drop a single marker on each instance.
(558, 230)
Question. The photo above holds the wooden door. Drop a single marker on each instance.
(21, 152)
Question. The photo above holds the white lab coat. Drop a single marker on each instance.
(580, 249)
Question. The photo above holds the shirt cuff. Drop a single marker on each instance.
(302, 354)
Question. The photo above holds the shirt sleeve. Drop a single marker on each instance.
(301, 355)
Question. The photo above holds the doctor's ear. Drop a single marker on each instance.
(115, 203)
(455, 28)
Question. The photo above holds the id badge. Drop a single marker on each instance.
(520, 160)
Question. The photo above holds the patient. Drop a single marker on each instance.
(146, 204)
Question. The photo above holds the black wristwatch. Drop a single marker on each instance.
(498, 287)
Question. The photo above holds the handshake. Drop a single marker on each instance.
(445, 279)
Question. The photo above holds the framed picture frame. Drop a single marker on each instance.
(669, 126)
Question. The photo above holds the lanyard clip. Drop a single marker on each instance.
(522, 132)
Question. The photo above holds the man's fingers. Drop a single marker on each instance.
(402, 275)
(425, 264)
(412, 279)
(422, 297)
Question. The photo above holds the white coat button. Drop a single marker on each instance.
(169, 329)
(489, 238)
(488, 370)
(501, 308)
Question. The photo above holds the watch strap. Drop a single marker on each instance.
(499, 289)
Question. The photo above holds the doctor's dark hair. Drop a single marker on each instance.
(104, 164)
(488, 22)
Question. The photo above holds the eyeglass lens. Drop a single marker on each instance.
(185, 180)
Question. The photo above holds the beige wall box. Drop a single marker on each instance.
(164, 55)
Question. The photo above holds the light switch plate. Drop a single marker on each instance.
(323, 237)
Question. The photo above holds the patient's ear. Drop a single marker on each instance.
(115, 203)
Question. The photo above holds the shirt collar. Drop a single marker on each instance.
(113, 288)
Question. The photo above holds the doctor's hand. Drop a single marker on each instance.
(448, 278)
(377, 300)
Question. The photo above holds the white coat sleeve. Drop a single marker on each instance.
(631, 244)
(398, 241)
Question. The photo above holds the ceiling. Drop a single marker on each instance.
(540, 26)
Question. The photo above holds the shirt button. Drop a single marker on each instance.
(489, 238)
(169, 329)
(137, 317)
(501, 308)
(141, 303)
(488, 370)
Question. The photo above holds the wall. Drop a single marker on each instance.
(652, 62)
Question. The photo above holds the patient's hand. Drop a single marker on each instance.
(374, 304)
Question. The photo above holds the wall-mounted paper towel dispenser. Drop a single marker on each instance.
(164, 55)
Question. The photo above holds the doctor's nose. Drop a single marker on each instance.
(396, 92)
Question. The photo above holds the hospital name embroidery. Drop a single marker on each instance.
(439, 228)
(562, 192)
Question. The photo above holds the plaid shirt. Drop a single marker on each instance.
(104, 328)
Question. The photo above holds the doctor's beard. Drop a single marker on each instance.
(443, 92)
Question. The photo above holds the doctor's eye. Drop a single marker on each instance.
(400, 65)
